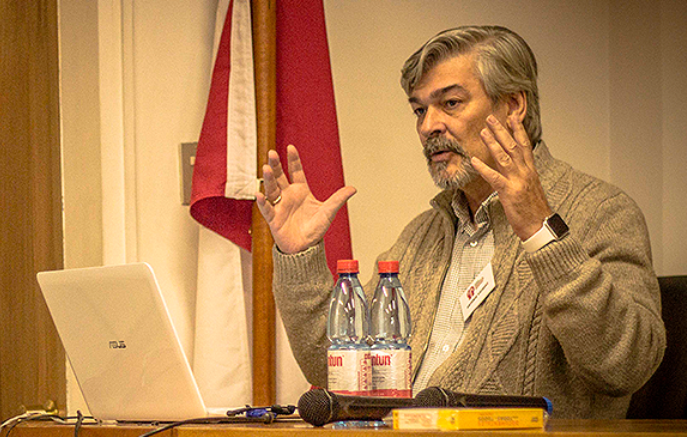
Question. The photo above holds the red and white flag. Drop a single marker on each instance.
(225, 179)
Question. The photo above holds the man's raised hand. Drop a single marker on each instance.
(515, 177)
(296, 219)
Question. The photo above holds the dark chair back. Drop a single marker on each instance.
(664, 396)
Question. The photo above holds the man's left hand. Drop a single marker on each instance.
(514, 177)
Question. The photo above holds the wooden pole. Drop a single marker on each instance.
(264, 331)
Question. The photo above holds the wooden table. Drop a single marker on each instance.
(555, 428)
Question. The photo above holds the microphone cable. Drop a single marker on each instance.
(247, 414)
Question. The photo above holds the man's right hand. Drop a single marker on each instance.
(296, 219)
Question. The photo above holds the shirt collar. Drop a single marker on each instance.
(462, 210)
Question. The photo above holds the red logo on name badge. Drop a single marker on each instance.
(471, 292)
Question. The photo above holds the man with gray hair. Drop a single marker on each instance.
(568, 304)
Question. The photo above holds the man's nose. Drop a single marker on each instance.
(432, 123)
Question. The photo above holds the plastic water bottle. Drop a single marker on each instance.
(348, 358)
(390, 330)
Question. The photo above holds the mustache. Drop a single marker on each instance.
(441, 144)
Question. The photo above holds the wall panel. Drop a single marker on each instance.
(32, 358)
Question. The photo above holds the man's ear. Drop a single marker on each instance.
(517, 104)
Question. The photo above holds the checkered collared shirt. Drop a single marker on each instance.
(473, 249)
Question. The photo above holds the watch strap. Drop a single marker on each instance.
(540, 239)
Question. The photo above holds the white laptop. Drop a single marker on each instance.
(121, 343)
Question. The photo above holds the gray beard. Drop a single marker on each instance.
(465, 174)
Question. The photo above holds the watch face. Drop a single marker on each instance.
(557, 226)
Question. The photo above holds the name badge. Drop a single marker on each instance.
(477, 291)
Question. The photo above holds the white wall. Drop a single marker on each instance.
(636, 110)
(611, 79)
(673, 211)
(80, 131)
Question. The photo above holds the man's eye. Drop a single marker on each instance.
(419, 112)
(451, 103)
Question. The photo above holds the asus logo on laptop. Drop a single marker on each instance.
(117, 344)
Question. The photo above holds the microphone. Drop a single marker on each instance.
(438, 397)
(320, 406)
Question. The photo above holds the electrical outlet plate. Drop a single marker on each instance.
(187, 158)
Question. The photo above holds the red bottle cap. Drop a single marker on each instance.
(347, 266)
(388, 266)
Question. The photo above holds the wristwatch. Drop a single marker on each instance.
(553, 228)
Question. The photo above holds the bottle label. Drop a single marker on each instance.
(391, 373)
(349, 372)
